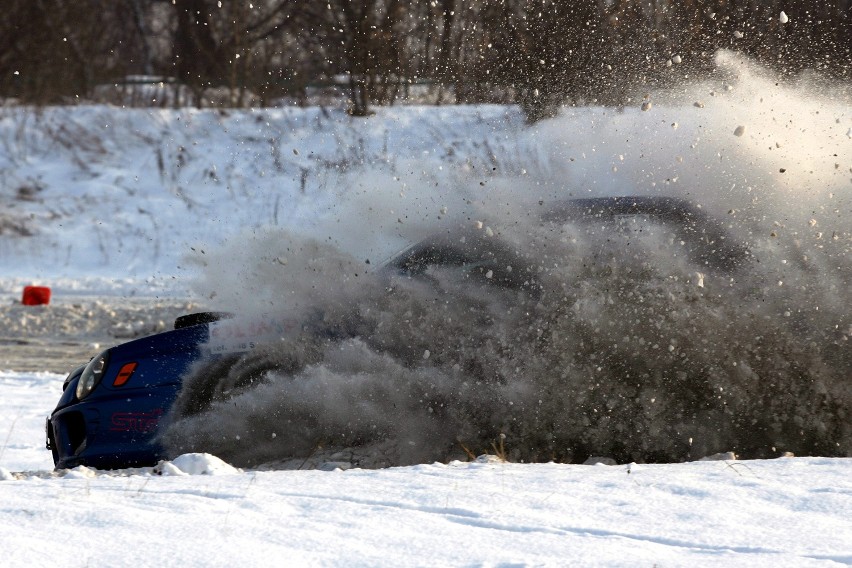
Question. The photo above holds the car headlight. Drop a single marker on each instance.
(92, 375)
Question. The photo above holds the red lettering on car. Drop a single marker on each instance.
(135, 421)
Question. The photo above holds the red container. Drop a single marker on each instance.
(36, 296)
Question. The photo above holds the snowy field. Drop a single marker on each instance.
(197, 510)
(136, 216)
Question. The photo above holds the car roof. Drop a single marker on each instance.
(665, 208)
(707, 240)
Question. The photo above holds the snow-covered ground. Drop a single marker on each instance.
(135, 216)
(197, 510)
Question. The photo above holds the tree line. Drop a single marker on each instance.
(537, 53)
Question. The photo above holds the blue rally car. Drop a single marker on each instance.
(112, 408)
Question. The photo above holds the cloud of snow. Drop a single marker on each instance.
(620, 348)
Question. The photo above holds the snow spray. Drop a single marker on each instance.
(623, 349)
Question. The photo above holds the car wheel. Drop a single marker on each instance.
(223, 378)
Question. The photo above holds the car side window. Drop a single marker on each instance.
(417, 259)
(475, 260)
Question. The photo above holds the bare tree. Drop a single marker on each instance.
(58, 50)
(538, 53)
(364, 39)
